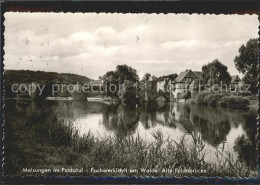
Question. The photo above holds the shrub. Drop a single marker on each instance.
(233, 101)
(223, 100)
(245, 94)
(212, 99)
(200, 97)
(129, 98)
(208, 98)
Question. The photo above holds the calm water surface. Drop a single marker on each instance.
(230, 130)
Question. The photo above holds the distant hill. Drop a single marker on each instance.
(27, 76)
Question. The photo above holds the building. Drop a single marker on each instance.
(183, 81)
(235, 79)
(160, 83)
(96, 82)
(164, 81)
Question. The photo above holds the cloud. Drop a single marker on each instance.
(91, 44)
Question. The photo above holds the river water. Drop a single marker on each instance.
(229, 130)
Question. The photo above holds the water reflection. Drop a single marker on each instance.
(123, 121)
(28, 123)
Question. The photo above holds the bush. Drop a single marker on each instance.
(200, 98)
(212, 99)
(223, 100)
(233, 101)
(129, 98)
(245, 94)
(208, 98)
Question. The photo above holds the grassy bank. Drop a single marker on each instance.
(128, 152)
(220, 99)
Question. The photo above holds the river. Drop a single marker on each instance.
(228, 130)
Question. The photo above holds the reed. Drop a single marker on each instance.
(120, 151)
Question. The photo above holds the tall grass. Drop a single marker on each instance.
(118, 151)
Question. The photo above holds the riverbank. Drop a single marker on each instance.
(90, 99)
(116, 152)
(223, 100)
(59, 98)
(254, 104)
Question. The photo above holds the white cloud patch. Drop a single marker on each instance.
(91, 44)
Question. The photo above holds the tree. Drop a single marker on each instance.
(124, 72)
(154, 78)
(146, 77)
(111, 81)
(247, 63)
(215, 72)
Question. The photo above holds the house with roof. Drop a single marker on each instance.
(160, 83)
(235, 80)
(183, 81)
(96, 82)
(164, 81)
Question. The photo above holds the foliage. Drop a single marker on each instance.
(44, 79)
(199, 99)
(154, 78)
(247, 59)
(117, 151)
(110, 79)
(146, 77)
(127, 94)
(215, 72)
(220, 99)
(212, 99)
(150, 90)
(27, 76)
(242, 146)
(233, 101)
(118, 77)
(147, 88)
(247, 63)
(124, 72)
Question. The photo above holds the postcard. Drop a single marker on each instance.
(130, 94)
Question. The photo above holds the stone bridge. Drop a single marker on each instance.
(152, 96)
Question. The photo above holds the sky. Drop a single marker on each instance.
(91, 44)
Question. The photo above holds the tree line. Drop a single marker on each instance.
(214, 72)
(27, 76)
